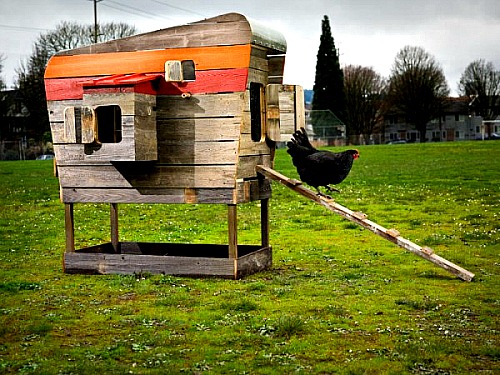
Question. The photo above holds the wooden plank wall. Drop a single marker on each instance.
(203, 157)
(197, 150)
(205, 151)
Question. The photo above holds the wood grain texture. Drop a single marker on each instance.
(223, 30)
(168, 259)
(125, 175)
(198, 153)
(215, 129)
(223, 105)
(245, 191)
(149, 195)
(227, 29)
(147, 61)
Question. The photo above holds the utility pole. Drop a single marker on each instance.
(96, 25)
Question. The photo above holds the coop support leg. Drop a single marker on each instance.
(232, 231)
(264, 222)
(113, 211)
(69, 222)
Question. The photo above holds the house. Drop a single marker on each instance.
(13, 127)
(457, 123)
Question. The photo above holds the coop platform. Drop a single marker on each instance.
(168, 259)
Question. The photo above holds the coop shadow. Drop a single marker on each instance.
(176, 132)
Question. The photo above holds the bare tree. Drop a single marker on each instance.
(364, 90)
(30, 82)
(417, 87)
(69, 35)
(481, 82)
(3, 95)
(2, 82)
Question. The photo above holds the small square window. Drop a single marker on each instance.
(180, 71)
(109, 124)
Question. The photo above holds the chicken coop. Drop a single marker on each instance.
(181, 115)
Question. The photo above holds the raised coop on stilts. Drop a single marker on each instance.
(181, 115)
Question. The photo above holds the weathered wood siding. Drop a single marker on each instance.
(181, 142)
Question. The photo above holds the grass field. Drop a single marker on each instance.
(338, 299)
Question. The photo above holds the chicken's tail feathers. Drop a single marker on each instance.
(298, 153)
(300, 138)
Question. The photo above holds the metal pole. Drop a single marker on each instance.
(96, 25)
(95, 21)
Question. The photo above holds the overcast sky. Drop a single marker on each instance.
(366, 32)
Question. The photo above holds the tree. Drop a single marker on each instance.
(481, 82)
(417, 87)
(329, 80)
(364, 91)
(32, 91)
(3, 95)
(2, 83)
(69, 35)
(30, 82)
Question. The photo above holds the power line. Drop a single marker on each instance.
(130, 9)
(21, 28)
(178, 8)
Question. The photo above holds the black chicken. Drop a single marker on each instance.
(319, 168)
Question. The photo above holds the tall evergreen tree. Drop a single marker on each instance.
(329, 80)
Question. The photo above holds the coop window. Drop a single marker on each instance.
(256, 94)
(108, 124)
(180, 71)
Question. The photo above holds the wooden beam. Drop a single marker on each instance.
(264, 222)
(113, 211)
(232, 223)
(389, 234)
(69, 221)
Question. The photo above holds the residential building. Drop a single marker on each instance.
(457, 123)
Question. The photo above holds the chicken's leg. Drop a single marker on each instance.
(322, 194)
(331, 188)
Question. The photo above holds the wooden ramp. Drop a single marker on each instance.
(361, 219)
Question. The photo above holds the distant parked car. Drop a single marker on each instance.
(45, 157)
(486, 137)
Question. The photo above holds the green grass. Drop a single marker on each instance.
(338, 299)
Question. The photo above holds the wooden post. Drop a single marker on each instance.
(361, 219)
(232, 224)
(69, 222)
(264, 222)
(114, 227)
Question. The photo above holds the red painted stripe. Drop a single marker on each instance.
(123, 79)
(207, 82)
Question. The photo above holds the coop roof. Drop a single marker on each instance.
(220, 47)
(223, 30)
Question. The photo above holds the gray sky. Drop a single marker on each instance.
(366, 32)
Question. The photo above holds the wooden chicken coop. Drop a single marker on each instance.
(180, 115)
